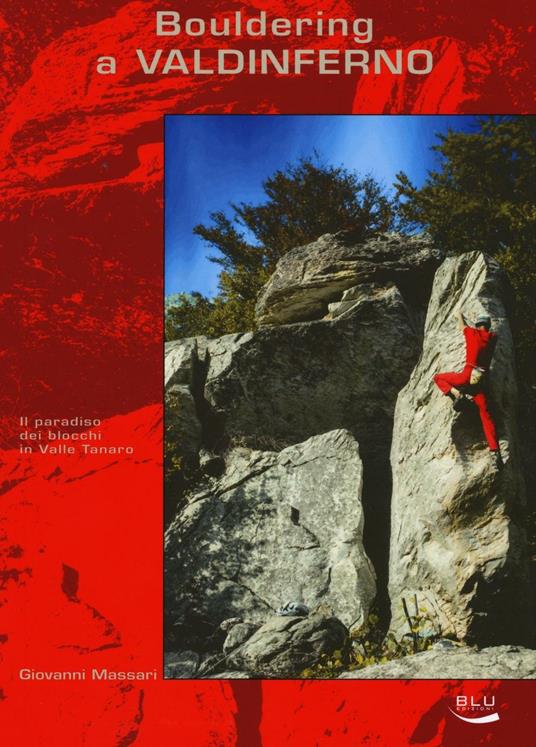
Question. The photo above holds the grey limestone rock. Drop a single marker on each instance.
(456, 521)
(179, 361)
(310, 277)
(295, 381)
(284, 646)
(275, 526)
(229, 623)
(181, 366)
(238, 635)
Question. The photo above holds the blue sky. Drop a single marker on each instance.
(213, 160)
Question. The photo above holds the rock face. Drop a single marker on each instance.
(275, 527)
(180, 360)
(295, 381)
(309, 277)
(181, 412)
(181, 366)
(283, 384)
(238, 635)
(287, 507)
(456, 536)
(284, 646)
(494, 663)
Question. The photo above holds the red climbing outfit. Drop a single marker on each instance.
(479, 347)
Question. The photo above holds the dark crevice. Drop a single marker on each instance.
(417, 289)
(211, 433)
(212, 429)
(376, 502)
(375, 454)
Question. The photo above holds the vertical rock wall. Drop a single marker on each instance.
(456, 521)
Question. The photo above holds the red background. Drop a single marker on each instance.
(81, 209)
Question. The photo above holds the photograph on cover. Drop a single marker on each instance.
(349, 397)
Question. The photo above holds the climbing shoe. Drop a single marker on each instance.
(461, 404)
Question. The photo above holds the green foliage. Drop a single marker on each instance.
(303, 201)
(520, 263)
(370, 645)
(483, 197)
(194, 314)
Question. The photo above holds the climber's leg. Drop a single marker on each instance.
(446, 381)
(488, 425)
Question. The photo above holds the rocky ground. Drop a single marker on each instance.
(449, 662)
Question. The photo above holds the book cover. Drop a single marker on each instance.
(97, 102)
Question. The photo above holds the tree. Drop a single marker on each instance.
(483, 197)
(303, 201)
(192, 314)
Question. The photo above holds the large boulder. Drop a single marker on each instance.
(310, 277)
(457, 541)
(453, 663)
(295, 381)
(276, 527)
(285, 646)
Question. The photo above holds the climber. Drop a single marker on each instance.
(479, 347)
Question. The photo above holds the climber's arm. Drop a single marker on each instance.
(462, 322)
